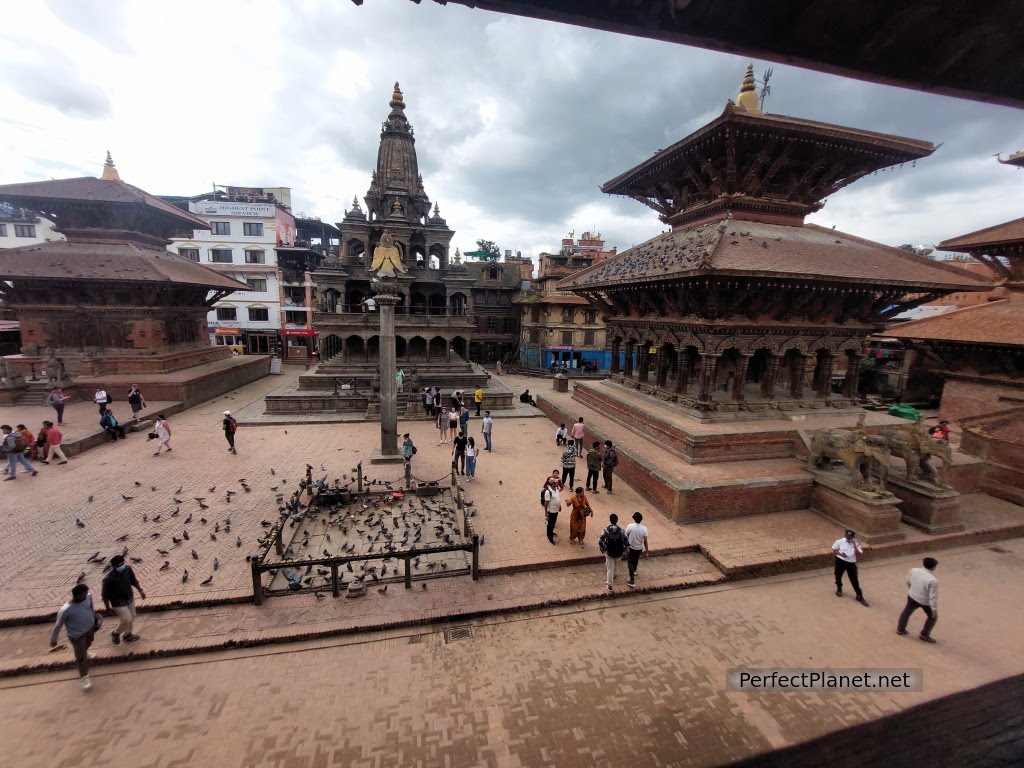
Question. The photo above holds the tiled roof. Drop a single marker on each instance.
(92, 190)
(127, 262)
(1000, 234)
(997, 322)
(739, 247)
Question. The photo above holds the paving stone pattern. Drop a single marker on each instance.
(639, 681)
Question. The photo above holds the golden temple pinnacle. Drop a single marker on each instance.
(109, 171)
(748, 99)
(396, 98)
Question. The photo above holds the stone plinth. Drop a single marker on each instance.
(931, 508)
(378, 457)
(560, 383)
(875, 517)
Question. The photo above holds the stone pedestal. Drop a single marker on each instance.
(560, 383)
(931, 508)
(379, 457)
(875, 517)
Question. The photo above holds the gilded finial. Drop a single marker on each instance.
(748, 93)
(109, 171)
(396, 98)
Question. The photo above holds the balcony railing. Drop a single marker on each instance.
(403, 316)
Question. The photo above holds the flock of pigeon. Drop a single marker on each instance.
(388, 524)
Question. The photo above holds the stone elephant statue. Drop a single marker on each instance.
(866, 459)
(916, 448)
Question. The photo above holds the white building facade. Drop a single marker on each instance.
(242, 241)
(19, 227)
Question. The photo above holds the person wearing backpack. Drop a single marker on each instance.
(610, 462)
(551, 501)
(230, 426)
(612, 544)
(13, 449)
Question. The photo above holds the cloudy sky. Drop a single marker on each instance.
(518, 122)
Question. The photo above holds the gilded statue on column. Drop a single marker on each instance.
(387, 259)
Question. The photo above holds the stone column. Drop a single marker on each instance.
(770, 375)
(644, 361)
(682, 371)
(824, 383)
(708, 367)
(742, 364)
(630, 345)
(615, 355)
(387, 297)
(796, 376)
(852, 379)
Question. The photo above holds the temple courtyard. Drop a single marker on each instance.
(533, 664)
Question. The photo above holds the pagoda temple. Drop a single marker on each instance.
(743, 309)
(111, 300)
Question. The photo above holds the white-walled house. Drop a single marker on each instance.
(19, 226)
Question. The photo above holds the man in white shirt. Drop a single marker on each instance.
(846, 551)
(636, 535)
(100, 398)
(485, 428)
(552, 502)
(923, 593)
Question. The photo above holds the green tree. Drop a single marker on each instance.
(488, 247)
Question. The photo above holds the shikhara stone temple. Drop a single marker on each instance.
(743, 309)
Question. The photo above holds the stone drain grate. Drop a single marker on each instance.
(462, 632)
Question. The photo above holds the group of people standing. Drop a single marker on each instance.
(599, 462)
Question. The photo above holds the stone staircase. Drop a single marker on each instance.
(36, 393)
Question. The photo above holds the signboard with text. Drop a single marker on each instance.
(257, 210)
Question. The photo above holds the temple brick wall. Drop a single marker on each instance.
(961, 399)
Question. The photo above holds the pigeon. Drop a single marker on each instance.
(238, 542)
(79, 523)
(138, 484)
(123, 537)
(202, 520)
(203, 506)
(81, 578)
(90, 499)
(184, 576)
(272, 471)
(176, 500)
(207, 581)
(145, 518)
(319, 594)
(156, 519)
(195, 555)
(135, 560)
(213, 537)
(175, 539)
(199, 498)
(179, 490)
(481, 539)
(163, 552)
(184, 535)
(176, 512)
(383, 589)
(166, 565)
(127, 498)
(155, 535)
(212, 489)
(188, 519)
(152, 488)
(216, 563)
(94, 558)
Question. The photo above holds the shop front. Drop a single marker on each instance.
(298, 344)
(229, 337)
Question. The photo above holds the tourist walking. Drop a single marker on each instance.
(41, 441)
(230, 426)
(569, 464)
(459, 453)
(54, 437)
(136, 401)
(472, 453)
(609, 463)
(111, 425)
(636, 536)
(408, 449)
(80, 621)
(442, 426)
(485, 429)
(28, 440)
(846, 551)
(102, 399)
(119, 599)
(578, 432)
(56, 400)
(552, 503)
(923, 593)
(612, 544)
(13, 449)
(162, 432)
(478, 398)
(593, 466)
(579, 511)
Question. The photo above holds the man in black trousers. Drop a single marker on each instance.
(846, 550)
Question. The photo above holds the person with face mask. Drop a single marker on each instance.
(119, 599)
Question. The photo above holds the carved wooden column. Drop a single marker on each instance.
(824, 383)
(796, 376)
(852, 379)
(630, 345)
(644, 362)
(742, 364)
(616, 343)
(662, 366)
(708, 367)
(768, 379)
(682, 372)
